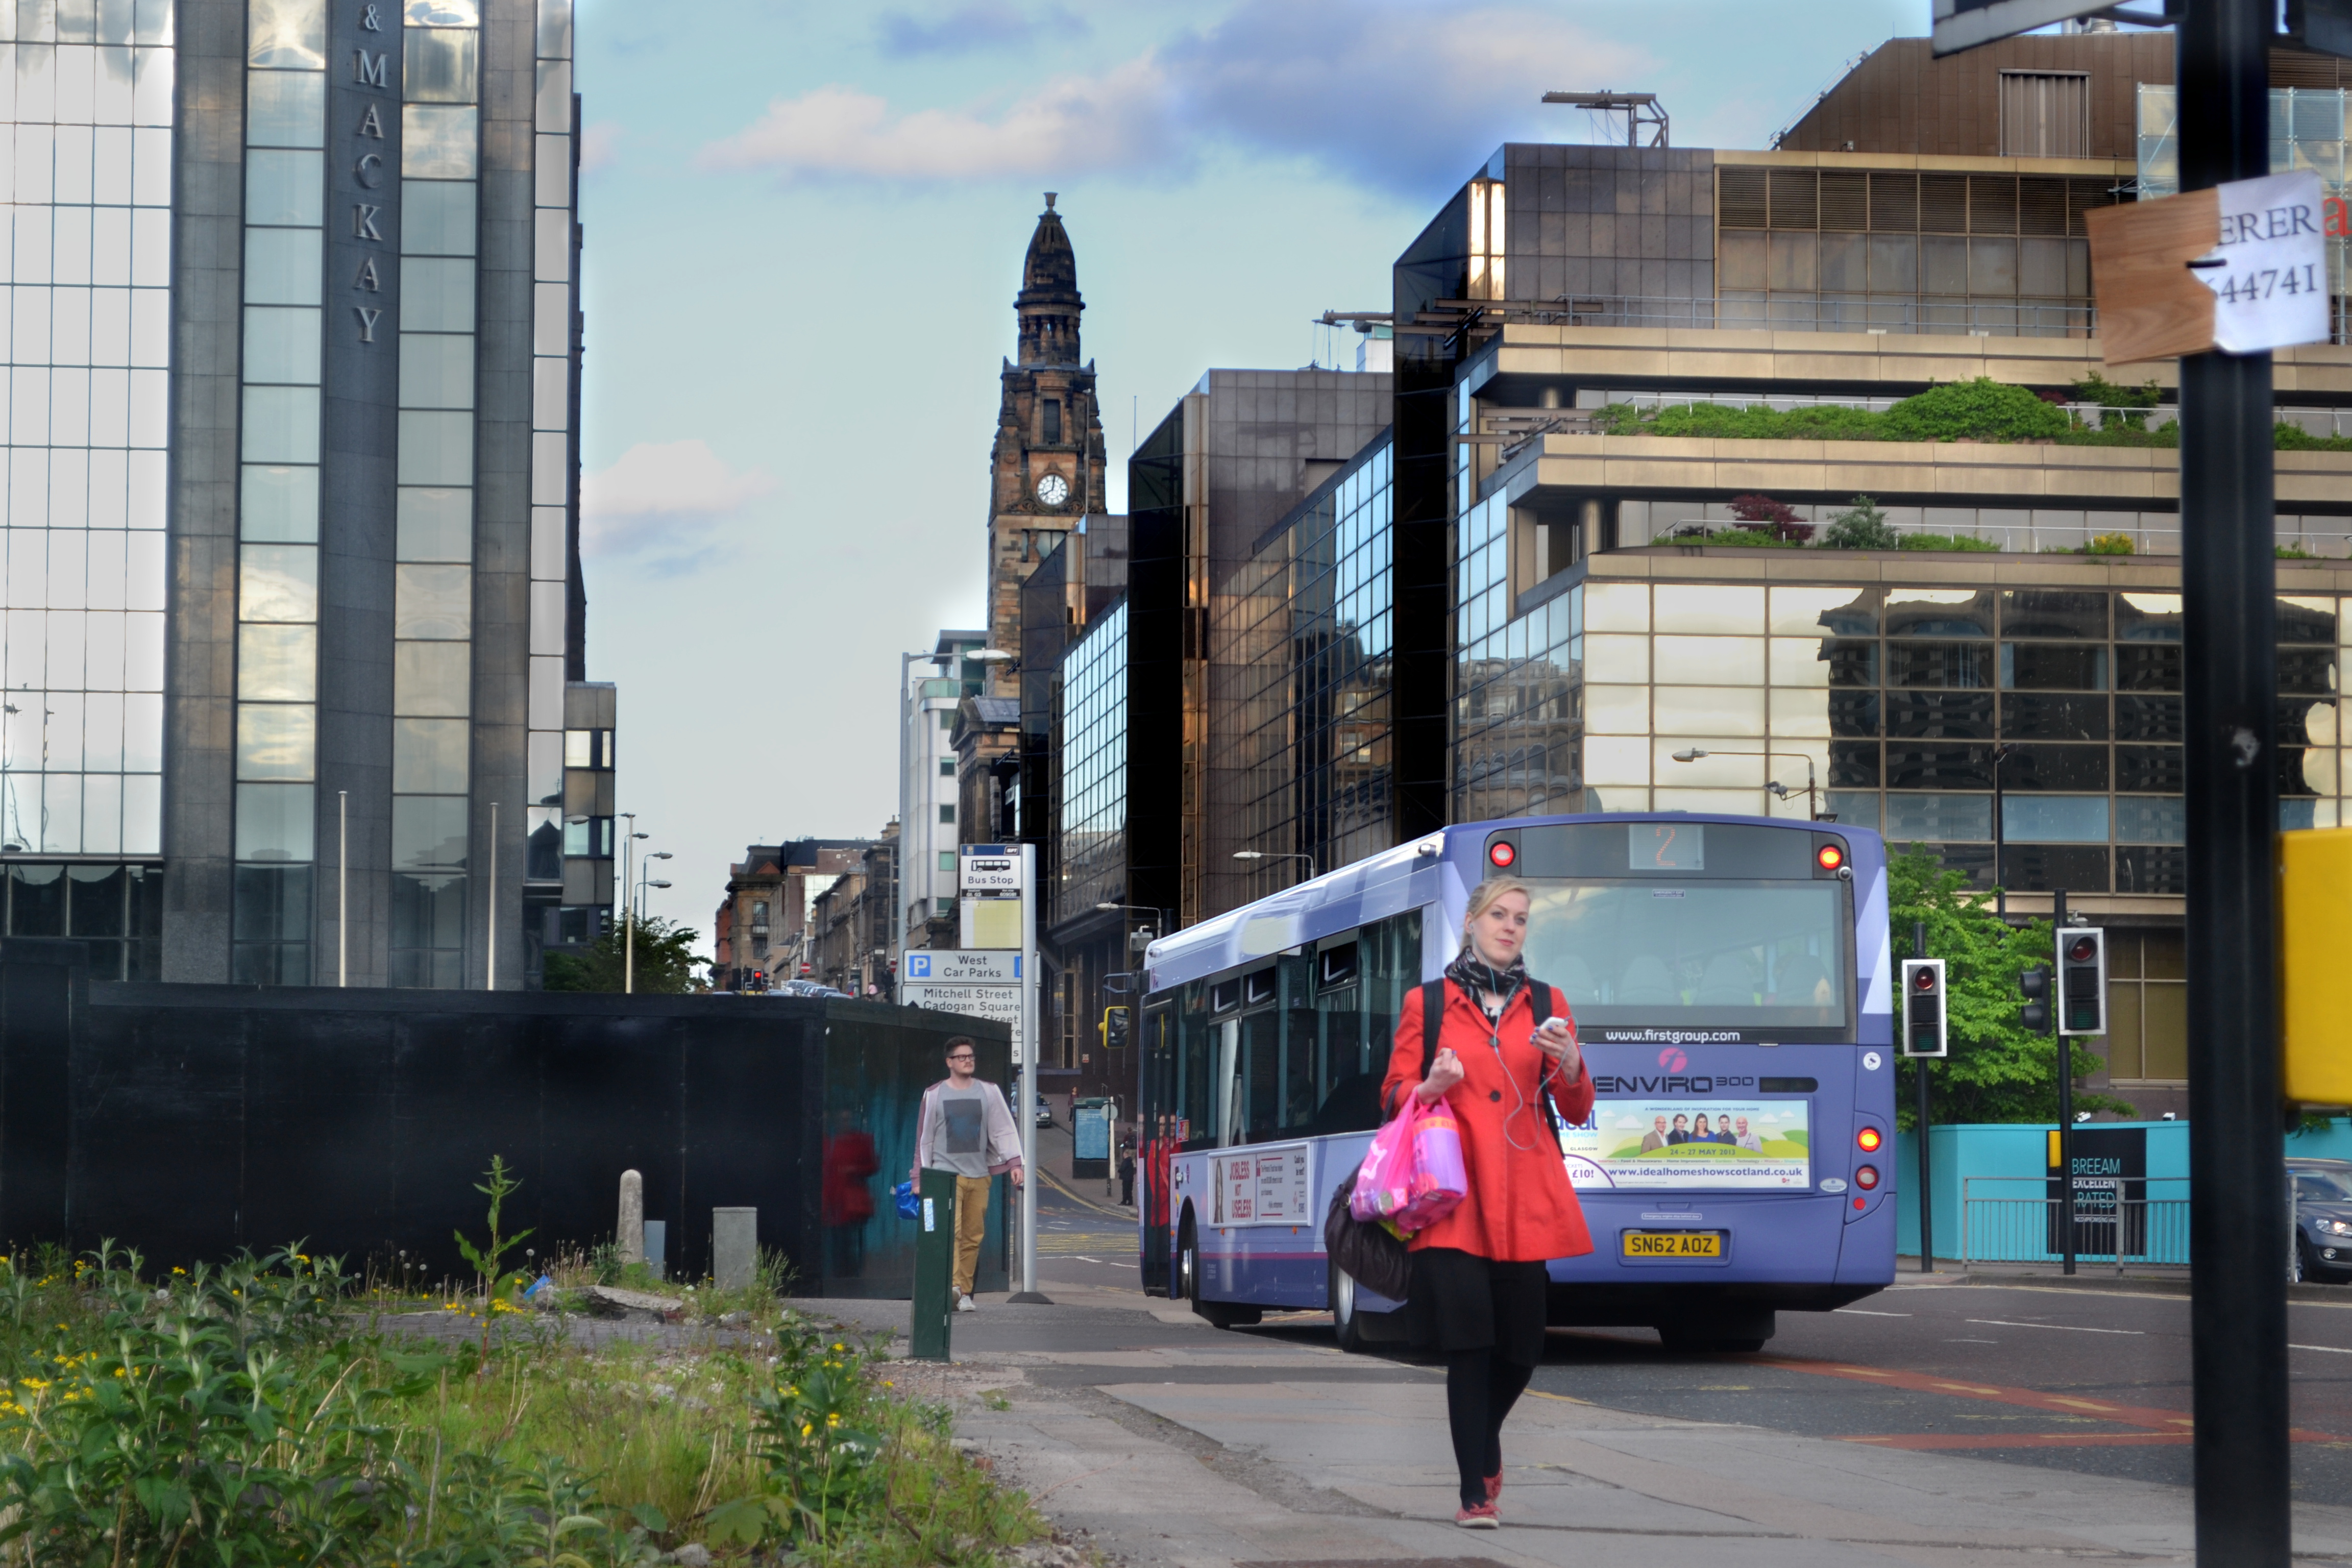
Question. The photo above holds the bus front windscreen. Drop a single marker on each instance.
(1731, 960)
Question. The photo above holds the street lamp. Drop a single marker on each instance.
(1811, 815)
(1277, 855)
(628, 924)
(1161, 920)
(643, 866)
(2000, 884)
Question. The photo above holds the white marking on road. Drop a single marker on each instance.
(2070, 1328)
(1084, 1258)
(1866, 1312)
(2331, 1350)
(1972, 1341)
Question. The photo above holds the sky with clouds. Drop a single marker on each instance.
(804, 226)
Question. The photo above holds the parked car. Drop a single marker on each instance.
(1044, 1112)
(2322, 1219)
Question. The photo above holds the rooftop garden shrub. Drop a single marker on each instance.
(1962, 541)
(2109, 544)
(1861, 526)
(1981, 410)
(1744, 538)
(2288, 438)
(1762, 514)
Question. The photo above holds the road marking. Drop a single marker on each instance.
(1084, 1258)
(2150, 1416)
(1865, 1313)
(1972, 1341)
(2070, 1328)
(2331, 1350)
(2020, 1439)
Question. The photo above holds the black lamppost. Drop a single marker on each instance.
(2000, 883)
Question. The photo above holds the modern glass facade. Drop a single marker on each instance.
(373, 544)
(1515, 699)
(1090, 748)
(432, 618)
(85, 100)
(1307, 621)
(1899, 703)
(2308, 131)
(278, 485)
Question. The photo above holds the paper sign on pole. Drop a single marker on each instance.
(2241, 268)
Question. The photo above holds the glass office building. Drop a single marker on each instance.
(1307, 621)
(291, 564)
(1089, 750)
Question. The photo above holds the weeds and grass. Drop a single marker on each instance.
(251, 1416)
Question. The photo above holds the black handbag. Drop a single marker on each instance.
(1367, 1249)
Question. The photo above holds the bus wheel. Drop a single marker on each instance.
(1217, 1314)
(1347, 1323)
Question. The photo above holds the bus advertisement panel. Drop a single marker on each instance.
(1698, 1145)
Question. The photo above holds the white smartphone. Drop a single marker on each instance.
(1555, 1021)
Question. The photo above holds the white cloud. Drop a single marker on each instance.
(1071, 125)
(661, 498)
(1378, 93)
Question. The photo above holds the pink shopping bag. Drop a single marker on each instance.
(1413, 1175)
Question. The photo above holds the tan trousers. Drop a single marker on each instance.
(971, 1224)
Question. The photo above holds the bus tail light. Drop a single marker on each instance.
(1865, 1177)
(1829, 857)
(1502, 852)
(1869, 1139)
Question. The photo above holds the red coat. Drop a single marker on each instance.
(1520, 1208)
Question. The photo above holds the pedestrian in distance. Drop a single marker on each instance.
(964, 1126)
(1506, 1067)
(1127, 1175)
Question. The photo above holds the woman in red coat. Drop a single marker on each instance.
(1481, 1268)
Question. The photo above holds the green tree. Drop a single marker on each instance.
(1998, 1071)
(1862, 526)
(666, 960)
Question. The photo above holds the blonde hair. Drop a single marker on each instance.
(1487, 892)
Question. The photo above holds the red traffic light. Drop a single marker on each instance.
(1923, 981)
(1829, 857)
(2082, 950)
(1502, 852)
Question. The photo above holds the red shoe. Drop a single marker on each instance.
(1495, 1488)
(1480, 1518)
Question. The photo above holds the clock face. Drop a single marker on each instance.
(1053, 490)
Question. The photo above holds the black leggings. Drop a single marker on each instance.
(1481, 1386)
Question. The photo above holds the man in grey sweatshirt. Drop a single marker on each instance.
(966, 1127)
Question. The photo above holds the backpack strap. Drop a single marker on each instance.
(1537, 990)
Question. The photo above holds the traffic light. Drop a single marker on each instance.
(2034, 984)
(2082, 981)
(1924, 1025)
(1114, 1028)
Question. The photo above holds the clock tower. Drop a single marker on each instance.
(1046, 469)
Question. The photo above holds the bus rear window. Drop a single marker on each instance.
(1746, 959)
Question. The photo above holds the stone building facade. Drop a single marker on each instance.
(1046, 469)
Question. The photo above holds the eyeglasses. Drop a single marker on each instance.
(961, 1057)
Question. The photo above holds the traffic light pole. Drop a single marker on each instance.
(2229, 583)
(2065, 1079)
(1920, 1125)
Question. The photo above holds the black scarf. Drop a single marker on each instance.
(1477, 976)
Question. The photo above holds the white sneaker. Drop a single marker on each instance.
(963, 1304)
